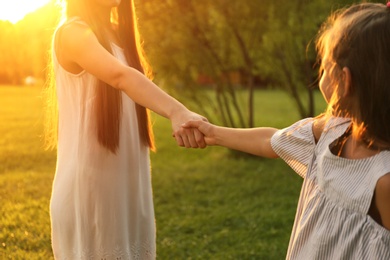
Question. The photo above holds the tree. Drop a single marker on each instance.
(231, 47)
(206, 40)
(289, 50)
(25, 45)
(7, 58)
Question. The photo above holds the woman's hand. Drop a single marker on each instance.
(187, 137)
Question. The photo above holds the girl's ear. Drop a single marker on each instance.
(347, 78)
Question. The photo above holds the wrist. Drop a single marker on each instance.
(176, 111)
(216, 135)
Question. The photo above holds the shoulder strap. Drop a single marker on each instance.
(75, 19)
(57, 33)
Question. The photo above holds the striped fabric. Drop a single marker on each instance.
(331, 221)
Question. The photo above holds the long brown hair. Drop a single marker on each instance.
(358, 38)
(108, 102)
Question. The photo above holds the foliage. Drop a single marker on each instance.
(208, 44)
(25, 46)
(227, 46)
(208, 204)
(289, 47)
(221, 45)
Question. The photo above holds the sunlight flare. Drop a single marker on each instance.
(15, 10)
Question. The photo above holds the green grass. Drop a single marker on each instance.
(209, 205)
(26, 173)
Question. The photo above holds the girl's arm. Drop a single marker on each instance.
(382, 199)
(255, 141)
(79, 49)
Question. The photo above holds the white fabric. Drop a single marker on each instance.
(101, 205)
(331, 220)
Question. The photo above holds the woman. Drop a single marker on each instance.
(101, 205)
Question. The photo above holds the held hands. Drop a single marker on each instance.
(205, 128)
(189, 137)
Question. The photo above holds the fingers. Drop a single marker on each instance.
(189, 135)
(190, 138)
(178, 139)
(192, 124)
(199, 138)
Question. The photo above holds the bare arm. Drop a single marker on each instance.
(87, 53)
(382, 199)
(255, 141)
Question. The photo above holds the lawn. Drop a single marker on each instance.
(209, 204)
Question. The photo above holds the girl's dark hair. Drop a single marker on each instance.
(359, 38)
(108, 102)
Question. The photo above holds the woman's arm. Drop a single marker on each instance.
(255, 141)
(79, 47)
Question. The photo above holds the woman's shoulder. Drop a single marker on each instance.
(71, 39)
(72, 27)
(74, 20)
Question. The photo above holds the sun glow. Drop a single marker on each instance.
(15, 10)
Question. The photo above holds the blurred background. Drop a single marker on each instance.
(222, 46)
(240, 63)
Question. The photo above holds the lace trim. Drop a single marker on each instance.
(141, 252)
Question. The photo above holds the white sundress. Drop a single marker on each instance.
(101, 204)
(331, 220)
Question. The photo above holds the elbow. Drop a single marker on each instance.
(126, 78)
(122, 79)
(118, 81)
(267, 154)
(265, 150)
(271, 153)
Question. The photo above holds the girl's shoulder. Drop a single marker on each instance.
(323, 123)
(318, 127)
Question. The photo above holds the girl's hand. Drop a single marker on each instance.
(188, 137)
(255, 141)
(205, 128)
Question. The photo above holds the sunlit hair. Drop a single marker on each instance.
(108, 102)
(358, 38)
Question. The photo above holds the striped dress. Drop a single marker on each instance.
(331, 221)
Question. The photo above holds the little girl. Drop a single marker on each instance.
(343, 155)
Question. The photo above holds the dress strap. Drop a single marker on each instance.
(57, 37)
(75, 19)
